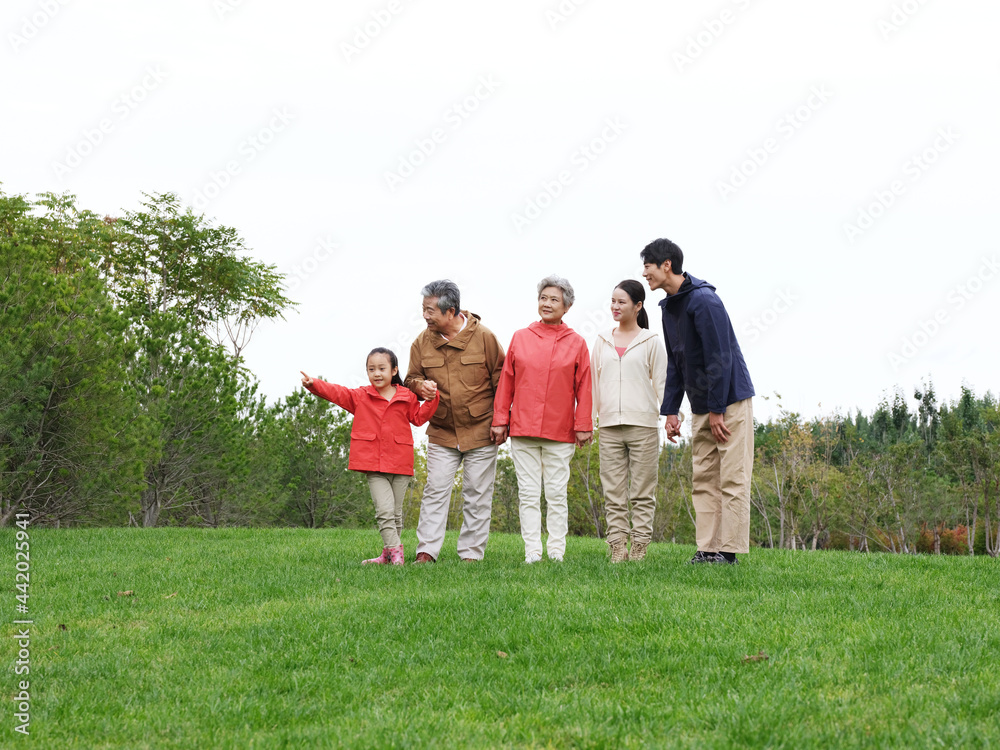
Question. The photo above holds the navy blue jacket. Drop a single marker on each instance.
(703, 357)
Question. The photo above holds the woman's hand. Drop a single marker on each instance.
(498, 434)
(306, 380)
(582, 438)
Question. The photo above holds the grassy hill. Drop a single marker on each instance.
(279, 638)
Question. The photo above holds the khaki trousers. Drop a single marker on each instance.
(629, 460)
(388, 491)
(478, 477)
(537, 461)
(721, 481)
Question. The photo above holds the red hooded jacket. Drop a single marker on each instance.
(381, 439)
(544, 389)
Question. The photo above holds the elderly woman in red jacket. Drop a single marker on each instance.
(543, 402)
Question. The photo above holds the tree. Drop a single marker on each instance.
(506, 516)
(70, 435)
(181, 281)
(674, 517)
(312, 437)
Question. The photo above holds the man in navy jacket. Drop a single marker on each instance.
(705, 362)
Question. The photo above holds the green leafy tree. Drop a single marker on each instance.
(70, 433)
(193, 299)
(317, 489)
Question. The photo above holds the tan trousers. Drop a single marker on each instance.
(721, 481)
(629, 460)
(388, 491)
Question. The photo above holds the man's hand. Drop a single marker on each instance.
(426, 390)
(306, 380)
(673, 427)
(720, 432)
(582, 438)
(498, 434)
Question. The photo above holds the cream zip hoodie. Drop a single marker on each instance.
(628, 390)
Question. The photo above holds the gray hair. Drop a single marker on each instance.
(562, 285)
(447, 293)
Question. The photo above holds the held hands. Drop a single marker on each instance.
(306, 380)
(582, 438)
(673, 428)
(427, 389)
(498, 435)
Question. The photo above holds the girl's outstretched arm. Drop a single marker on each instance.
(343, 397)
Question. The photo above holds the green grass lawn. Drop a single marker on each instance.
(250, 638)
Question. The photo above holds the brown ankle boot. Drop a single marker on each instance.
(619, 550)
(638, 551)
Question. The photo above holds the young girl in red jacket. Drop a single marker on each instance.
(381, 440)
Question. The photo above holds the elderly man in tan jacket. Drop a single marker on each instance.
(464, 358)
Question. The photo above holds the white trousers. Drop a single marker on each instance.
(539, 461)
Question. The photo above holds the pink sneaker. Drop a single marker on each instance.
(382, 559)
(395, 554)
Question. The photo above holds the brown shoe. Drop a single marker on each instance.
(619, 550)
(470, 559)
(638, 551)
(423, 557)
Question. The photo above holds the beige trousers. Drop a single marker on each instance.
(388, 491)
(629, 460)
(721, 481)
(478, 476)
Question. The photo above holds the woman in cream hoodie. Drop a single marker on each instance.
(628, 371)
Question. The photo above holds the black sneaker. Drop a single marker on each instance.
(706, 557)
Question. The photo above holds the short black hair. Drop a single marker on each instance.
(660, 251)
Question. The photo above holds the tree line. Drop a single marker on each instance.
(124, 400)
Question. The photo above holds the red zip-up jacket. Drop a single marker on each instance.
(544, 389)
(381, 439)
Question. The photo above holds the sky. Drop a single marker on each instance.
(831, 168)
